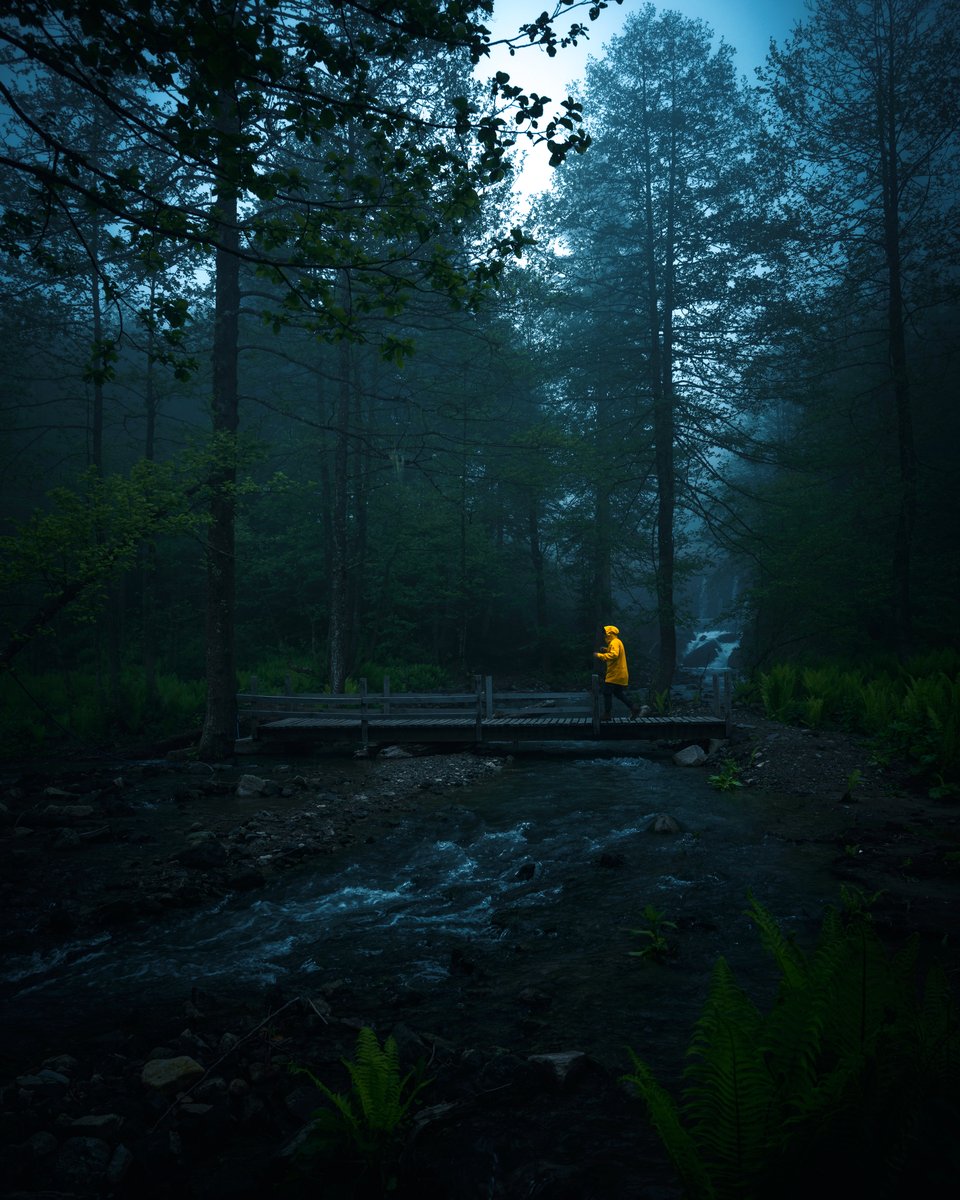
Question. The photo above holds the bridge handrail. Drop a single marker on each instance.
(482, 703)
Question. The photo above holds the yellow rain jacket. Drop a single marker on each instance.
(615, 657)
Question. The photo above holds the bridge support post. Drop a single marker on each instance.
(364, 715)
(478, 684)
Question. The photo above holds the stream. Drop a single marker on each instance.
(506, 911)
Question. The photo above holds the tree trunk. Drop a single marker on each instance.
(897, 348)
(148, 554)
(661, 390)
(220, 724)
(338, 532)
(539, 580)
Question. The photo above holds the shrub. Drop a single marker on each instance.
(778, 688)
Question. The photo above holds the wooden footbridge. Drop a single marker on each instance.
(470, 718)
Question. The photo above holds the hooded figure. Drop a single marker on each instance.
(615, 656)
(617, 677)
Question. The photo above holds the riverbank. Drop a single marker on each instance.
(198, 1097)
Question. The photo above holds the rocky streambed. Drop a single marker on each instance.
(196, 1095)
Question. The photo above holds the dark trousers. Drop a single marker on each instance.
(615, 689)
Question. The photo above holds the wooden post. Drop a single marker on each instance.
(715, 702)
(364, 721)
(254, 719)
(478, 730)
(386, 695)
(595, 702)
(489, 687)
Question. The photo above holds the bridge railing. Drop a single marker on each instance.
(363, 706)
(483, 703)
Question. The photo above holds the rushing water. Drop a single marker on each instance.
(549, 865)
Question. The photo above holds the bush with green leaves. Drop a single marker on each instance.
(364, 1129)
(656, 933)
(727, 779)
(38, 711)
(778, 691)
(851, 1075)
(404, 677)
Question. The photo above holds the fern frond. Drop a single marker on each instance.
(797, 1026)
(665, 1118)
(728, 1099)
(788, 957)
(375, 1074)
(940, 1025)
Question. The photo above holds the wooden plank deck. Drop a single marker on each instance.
(305, 729)
(466, 718)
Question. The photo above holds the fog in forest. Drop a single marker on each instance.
(297, 386)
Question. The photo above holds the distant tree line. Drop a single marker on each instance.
(284, 377)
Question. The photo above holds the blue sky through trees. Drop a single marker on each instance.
(744, 24)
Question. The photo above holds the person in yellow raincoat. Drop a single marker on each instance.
(617, 676)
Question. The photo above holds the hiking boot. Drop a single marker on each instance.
(634, 712)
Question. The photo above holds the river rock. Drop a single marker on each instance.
(253, 785)
(99, 1124)
(43, 1081)
(171, 1075)
(67, 812)
(563, 1066)
(41, 1144)
(203, 854)
(690, 756)
(65, 1064)
(82, 1161)
(120, 1163)
(663, 823)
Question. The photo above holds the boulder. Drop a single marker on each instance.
(702, 655)
(690, 756)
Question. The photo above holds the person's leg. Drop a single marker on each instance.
(607, 701)
(625, 698)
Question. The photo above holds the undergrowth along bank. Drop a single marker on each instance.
(910, 709)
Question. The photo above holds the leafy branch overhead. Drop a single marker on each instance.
(339, 159)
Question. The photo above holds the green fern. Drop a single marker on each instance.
(846, 1076)
(367, 1123)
